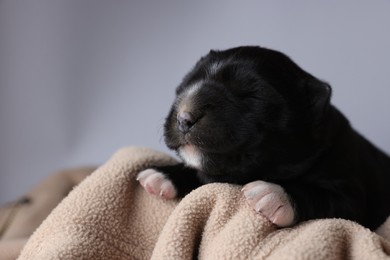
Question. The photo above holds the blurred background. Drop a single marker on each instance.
(80, 79)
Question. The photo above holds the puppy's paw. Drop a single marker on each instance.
(156, 183)
(271, 201)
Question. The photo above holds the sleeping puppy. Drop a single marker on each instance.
(251, 116)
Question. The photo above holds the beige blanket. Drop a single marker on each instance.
(109, 216)
(19, 219)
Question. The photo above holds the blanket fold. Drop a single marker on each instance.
(110, 216)
(19, 219)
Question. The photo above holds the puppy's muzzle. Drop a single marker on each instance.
(185, 120)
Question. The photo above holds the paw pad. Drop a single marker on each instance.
(156, 183)
(271, 201)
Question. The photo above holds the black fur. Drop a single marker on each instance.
(258, 116)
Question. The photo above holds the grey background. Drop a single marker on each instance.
(80, 79)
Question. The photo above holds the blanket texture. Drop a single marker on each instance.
(109, 216)
(19, 219)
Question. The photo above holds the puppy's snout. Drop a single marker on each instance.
(185, 120)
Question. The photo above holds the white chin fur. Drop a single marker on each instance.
(191, 156)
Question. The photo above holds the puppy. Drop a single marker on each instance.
(251, 116)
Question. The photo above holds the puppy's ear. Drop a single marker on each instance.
(319, 94)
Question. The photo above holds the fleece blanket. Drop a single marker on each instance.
(19, 219)
(110, 216)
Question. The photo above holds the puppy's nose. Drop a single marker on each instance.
(185, 121)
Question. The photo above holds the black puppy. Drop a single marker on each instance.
(250, 115)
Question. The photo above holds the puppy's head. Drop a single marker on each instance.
(246, 107)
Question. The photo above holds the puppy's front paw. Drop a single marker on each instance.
(271, 201)
(156, 183)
